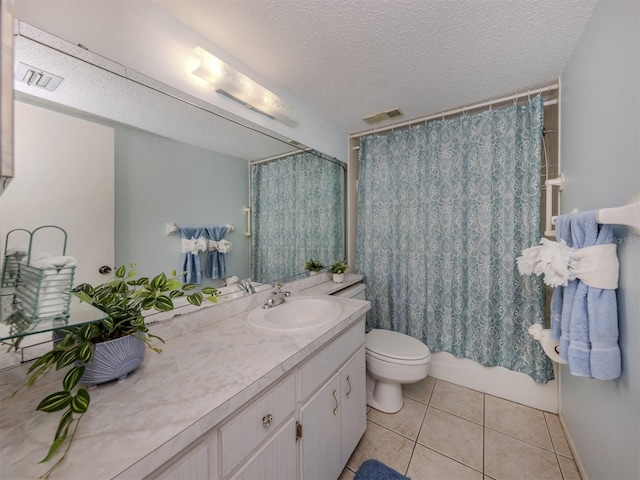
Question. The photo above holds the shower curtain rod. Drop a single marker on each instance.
(459, 110)
(278, 157)
(301, 150)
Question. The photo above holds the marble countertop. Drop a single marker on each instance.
(212, 363)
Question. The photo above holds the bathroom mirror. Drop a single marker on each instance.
(177, 160)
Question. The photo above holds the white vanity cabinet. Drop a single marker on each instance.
(306, 425)
(333, 417)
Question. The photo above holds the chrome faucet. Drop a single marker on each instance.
(278, 296)
(246, 286)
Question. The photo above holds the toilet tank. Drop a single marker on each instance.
(357, 291)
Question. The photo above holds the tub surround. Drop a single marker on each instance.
(212, 364)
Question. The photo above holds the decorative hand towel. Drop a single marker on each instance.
(217, 247)
(193, 242)
(585, 318)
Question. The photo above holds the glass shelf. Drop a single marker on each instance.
(12, 325)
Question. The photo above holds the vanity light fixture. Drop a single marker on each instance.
(241, 88)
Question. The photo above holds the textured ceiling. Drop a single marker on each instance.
(352, 58)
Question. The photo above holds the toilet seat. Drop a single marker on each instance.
(395, 347)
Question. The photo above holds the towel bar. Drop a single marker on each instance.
(628, 215)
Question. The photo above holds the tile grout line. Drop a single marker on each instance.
(415, 442)
(553, 445)
(484, 430)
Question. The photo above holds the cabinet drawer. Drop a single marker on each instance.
(240, 436)
(322, 365)
(277, 461)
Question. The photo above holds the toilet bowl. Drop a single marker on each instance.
(393, 358)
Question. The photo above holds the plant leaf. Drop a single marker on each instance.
(209, 290)
(85, 352)
(159, 281)
(55, 402)
(54, 447)
(67, 358)
(147, 303)
(63, 426)
(195, 299)
(173, 284)
(80, 401)
(72, 377)
(176, 293)
(83, 296)
(121, 271)
(188, 286)
(163, 303)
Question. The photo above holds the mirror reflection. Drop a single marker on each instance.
(117, 162)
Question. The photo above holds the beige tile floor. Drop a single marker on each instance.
(448, 432)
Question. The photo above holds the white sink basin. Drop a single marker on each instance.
(296, 314)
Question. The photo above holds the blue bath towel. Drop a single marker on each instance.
(585, 319)
(190, 263)
(375, 470)
(215, 266)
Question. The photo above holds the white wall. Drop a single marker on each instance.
(600, 108)
(64, 176)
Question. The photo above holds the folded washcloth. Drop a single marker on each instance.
(223, 246)
(596, 266)
(16, 252)
(54, 262)
(376, 470)
(551, 259)
(194, 245)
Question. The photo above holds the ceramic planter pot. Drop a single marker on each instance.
(338, 277)
(114, 359)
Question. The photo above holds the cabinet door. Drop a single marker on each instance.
(278, 461)
(192, 466)
(353, 403)
(320, 442)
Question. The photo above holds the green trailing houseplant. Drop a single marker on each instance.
(313, 265)
(124, 299)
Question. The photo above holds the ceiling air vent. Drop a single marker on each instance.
(378, 117)
(36, 77)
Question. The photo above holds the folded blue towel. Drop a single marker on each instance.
(215, 266)
(585, 319)
(376, 470)
(190, 262)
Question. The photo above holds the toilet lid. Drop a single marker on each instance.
(396, 345)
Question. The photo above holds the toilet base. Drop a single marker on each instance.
(385, 397)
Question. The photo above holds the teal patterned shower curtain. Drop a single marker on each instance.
(444, 209)
(297, 214)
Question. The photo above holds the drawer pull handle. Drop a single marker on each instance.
(349, 382)
(335, 410)
(266, 420)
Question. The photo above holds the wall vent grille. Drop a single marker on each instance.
(36, 77)
(379, 117)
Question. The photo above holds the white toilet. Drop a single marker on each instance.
(393, 358)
